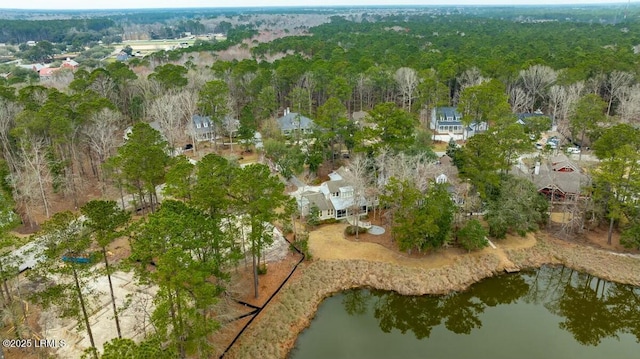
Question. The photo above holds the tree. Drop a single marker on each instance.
(518, 207)
(189, 258)
(266, 103)
(99, 136)
(332, 119)
(616, 180)
(142, 161)
(8, 267)
(247, 127)
(261, 197)
(536, 80)
(407, 79)
(587, 115)
(511, 140)
(104, 218)
(418, 221)
(479, 161)
(358, 175)
(180, 178)
(212, 102)
(394, 129)
(299, 99)
(487, 102)
(170, 76)
(289, 160)
(313, 218)
(618, 82)
(473, 236)
(63, 238)
(171, 112)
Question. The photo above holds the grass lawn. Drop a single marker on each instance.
(440, 146)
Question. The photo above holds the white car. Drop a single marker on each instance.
(573, 150)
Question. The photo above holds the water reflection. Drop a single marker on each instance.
(589, 308)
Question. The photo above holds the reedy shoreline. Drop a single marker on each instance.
(274, 332)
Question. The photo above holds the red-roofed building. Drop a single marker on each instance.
(70, 64)
(47, 72)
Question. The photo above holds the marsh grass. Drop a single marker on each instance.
(274, 332)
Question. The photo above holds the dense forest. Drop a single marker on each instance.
(63, 31)
(110, 150)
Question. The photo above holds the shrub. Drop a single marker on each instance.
(301, 242)
(351, 230)
(313, 219)
(330, 221)
(262, 269)
(473, 236)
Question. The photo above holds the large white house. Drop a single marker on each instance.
(447, 120)
(334, 199)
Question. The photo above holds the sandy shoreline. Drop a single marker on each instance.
(275, 331)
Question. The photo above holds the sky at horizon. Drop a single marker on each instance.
(147, 4)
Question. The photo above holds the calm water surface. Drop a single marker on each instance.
(553, 312)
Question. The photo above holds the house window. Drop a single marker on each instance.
(341, 213)
(330, 212)
(197, 125)
(336, 194)
(206, 124)
(363, 209)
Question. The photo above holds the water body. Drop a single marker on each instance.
(553, 312)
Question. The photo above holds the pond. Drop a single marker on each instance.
(552, 312)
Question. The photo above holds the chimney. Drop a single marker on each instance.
(536, 170)
(287, 111)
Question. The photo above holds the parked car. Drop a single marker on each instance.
(187, 147)
(573, 150)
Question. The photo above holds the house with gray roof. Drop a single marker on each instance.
(447, 120)
(334, 199)
(202, 128)
(292, 123)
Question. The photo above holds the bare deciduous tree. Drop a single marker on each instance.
(471, 77)
(99, 136)
(358, 174)
(536, 80)
(8, 112)
(32, 179)
(618, 83)
(520, 100)
(629, 105)
(557, 97)
(407, 79)
(170, 111)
